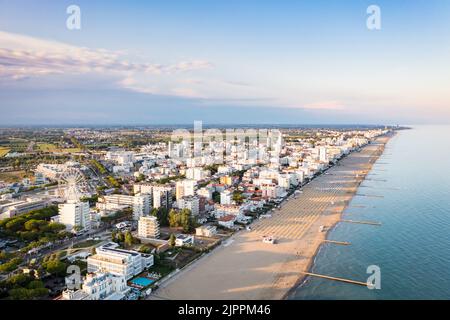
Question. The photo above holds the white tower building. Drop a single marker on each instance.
(75, 215)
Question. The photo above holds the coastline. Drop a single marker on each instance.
(302, 279)
(246, 269)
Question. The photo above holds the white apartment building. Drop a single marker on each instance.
(140, 203)
(148, 227)
(141, 206)
(119, 262)
(284, 181)
(196, 173)
(143, 188)
(205, 192)
(272, 191)
(185, 188)
(75, 215)
(190, 202)
(226, 197)
(323, 157)
(99, 286)
(224, 169)
(161, 195)
(120, 157)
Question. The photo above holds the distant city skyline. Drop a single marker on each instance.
(224, 62)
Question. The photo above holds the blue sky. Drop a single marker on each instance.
(150, 62)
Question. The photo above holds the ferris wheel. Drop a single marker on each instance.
(72, 184)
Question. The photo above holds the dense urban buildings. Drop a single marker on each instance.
(126, 213)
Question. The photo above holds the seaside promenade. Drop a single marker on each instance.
(245, 268)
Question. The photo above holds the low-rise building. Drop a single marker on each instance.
(184, 240)
(206, 231)
(99, 286)
(10, 208)
(227, 221)
(119, 262)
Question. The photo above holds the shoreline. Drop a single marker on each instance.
(303, 279)
(247, 269)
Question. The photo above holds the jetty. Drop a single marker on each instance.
(335, 278)
(373, 223)
(379, 180)
(357, 206)
(342, 243)
(369, 195)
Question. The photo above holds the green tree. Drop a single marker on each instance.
(55, 267)
(163, 216)
(237, 197)
(34, 225)
(186, 220)
(120, 237)
(10, 265)
(173, 218)
(56, 227)
(29, 235)
(172, 239)
(27, 294)
(216, 196)
(4, 256)
(35, 284)
(19, 280)
(128, 239)
(15, 224)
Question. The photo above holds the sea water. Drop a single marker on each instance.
(412, 246)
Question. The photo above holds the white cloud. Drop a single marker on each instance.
(23, 57)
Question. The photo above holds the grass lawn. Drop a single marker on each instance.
(48, 147)
(12, 176)
(161, 268)
(86, 244)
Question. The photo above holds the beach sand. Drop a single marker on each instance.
(245, 268)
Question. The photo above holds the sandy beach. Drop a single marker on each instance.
(245, 268)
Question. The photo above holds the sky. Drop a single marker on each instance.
(224, 61)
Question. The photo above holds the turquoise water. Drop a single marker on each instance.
(143, 282)
(412, 247)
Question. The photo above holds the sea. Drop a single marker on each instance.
(409, 188)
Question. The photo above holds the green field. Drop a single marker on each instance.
(12, 176)
(51, 148)
(4, 151)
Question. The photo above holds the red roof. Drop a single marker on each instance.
(228, 218)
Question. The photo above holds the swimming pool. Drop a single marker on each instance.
(142, 282)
